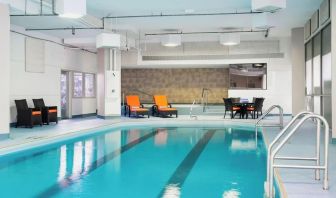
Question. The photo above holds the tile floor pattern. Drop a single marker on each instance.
(297, 183)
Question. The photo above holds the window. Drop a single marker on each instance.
(78, 84)
(84, 85)
(248, 76)
(89, 85)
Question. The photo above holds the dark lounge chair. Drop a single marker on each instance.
(26, 116)
(162, 107)
(134, 106)
(49, 114)
(229, 106)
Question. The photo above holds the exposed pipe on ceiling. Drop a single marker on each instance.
(207, 32)
(181, 15)
(67, 28)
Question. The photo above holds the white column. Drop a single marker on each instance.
(4, 68)
(298, 70)
(333, 63)
(109, 83)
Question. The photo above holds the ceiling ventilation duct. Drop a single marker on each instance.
(268, 5)
(108, 40)
(70, 8)
(229, 39)
(172, 40)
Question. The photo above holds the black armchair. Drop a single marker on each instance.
(49, 114)
(26, 116)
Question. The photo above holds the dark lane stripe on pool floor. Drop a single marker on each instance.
(181, 173)
(70, 179)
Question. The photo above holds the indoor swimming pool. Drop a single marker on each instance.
(141, 162)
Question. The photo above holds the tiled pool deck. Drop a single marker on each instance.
(297, 183)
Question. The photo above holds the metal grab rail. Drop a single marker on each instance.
(276, 139)
(191, 109)
(267, 112)
(272, 154)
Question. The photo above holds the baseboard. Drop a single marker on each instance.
(108, 117)
(84, 115)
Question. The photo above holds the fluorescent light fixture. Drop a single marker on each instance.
(230, 39)
(108, 40)
(73, 9)
(172, 40)
(268, 5)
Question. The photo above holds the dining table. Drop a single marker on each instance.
(243, 108)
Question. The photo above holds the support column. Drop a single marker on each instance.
(333, 63)
(298, 70)
(109, 83)
(4, 68)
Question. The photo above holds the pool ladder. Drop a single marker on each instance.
(191, 109)
(259, 124)
(272, 153)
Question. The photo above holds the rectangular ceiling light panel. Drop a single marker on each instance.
(108, 40)
(268, 5)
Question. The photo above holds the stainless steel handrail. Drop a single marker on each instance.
(269, 125)
(272, 154)
(276, 139)
(205, 98)
(191, 109)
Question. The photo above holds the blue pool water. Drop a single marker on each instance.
(141, 162)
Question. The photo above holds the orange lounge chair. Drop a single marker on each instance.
(133, 106)
(162, 107)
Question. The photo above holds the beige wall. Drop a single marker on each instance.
(180, 85)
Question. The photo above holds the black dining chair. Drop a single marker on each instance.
(229, 106)
(256, 107)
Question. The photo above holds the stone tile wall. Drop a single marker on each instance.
(180, 85)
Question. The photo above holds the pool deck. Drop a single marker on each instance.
(296, 183)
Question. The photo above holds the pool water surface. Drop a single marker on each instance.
(142, 162)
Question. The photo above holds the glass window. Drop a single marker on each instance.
(326, 60)
(78, 84)
(89, 85)
(317, 64)
(309, 77)
(248, 76)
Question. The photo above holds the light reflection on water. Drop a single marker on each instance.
(172, 191)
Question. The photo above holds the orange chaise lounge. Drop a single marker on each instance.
(162, 107)
(134, 106)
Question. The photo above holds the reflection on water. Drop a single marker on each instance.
(63, 163)
(172, 191)
(241, 140)
(161, 137)
(233, 193)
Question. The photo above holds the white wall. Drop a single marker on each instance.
(24, 85)
(4, 67)
(298, 70)
(279, 81)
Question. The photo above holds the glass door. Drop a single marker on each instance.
(65, 94)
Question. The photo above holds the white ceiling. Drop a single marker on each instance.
(295, 15)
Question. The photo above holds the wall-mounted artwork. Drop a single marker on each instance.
(34, 51)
